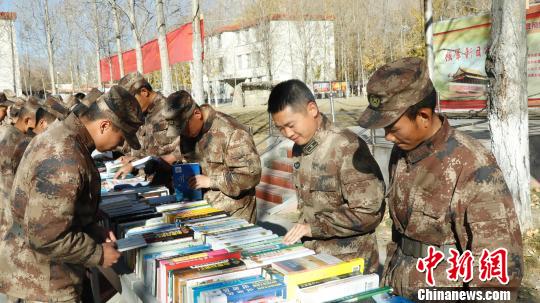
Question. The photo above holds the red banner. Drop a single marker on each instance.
(179, 45)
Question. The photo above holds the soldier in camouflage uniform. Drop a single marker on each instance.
(11, 137)
(152, 134)
(339, 185)
(49, 112)
(230, 164)
(4, 104)
(52, 232)
(446, 190)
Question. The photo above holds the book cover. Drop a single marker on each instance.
(167, 267)
(184, 205)
(195, 293)
(292, 280)
(151, 260)
(179, 278)
(305, 263)
(195, 286)
(202, 218)
(338, 288)
(245, 292)
(181, 174)
(167, 235)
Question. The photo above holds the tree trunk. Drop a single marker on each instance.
(136, 38)
(506, 66)
(166, 78)
(118, 38)
(50, 51)
(96, 28)
(197, 82)
(428, 27)
(72, 78)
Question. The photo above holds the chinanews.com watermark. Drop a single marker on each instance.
(492, 265)
(455, 295)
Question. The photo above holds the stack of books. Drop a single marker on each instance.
(191, 252)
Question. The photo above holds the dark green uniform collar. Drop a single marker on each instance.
(432, 144)
(312, 145)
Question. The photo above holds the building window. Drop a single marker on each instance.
(239, 61)
(220, 65)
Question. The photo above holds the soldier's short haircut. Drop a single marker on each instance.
(24, 112)
(43, 114)
(80, 96)
(94, 113)
(293, 93)
(429, 102)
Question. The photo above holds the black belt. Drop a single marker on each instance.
(417, 249)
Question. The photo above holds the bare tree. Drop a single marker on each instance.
(50, 49)
(197, 83)
(97, 43)
(118, 31)
(506, 67)
(136, 36)
(166, 78)
(428, 21)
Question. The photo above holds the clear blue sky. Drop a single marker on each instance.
(7, 5)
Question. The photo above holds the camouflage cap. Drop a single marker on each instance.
(124, 111)
(394, 88)
(53, 106)
(132, 82)
(72, 101)
(4, 101)
(9, 93)
(178, 109)
(91, 97)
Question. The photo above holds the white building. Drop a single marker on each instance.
(282, 49)
(9, 62)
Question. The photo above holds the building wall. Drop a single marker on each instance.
(303, 50)
(9, 60)
(233, 57)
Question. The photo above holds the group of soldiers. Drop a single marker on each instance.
(445, 191)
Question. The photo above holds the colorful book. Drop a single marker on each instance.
(304, 264)
(294, 279)
(337, 288)
(181, 175)
(181, 277)
(245, 292)
(167, 267)
(151, 262)
(195, 286)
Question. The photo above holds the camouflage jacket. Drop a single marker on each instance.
(449, 191)
(52, 233)
(340, 192)
(152, 135)
(10, 155)
(227, 154)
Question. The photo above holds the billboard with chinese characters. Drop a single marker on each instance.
(460, 47)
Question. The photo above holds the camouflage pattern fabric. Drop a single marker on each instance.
(10, 155)
(152, 135)
(227, 154)
(449, 191)
(340, 192)
(52, 233)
